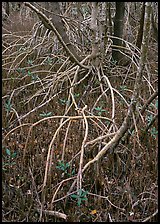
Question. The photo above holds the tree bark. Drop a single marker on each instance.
(118, 31)
(59, 25)
(140, 32)
(54, 26)
(154, 28)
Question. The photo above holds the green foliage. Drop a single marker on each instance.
(8, 152)
(76, 95)
(64, 167)
(80, 196)
(149, 118)
(100, 110)
(97, 82)
(85, 10)
(60, 60)
(29, 73)
(30, 62)
(74, 11)
(64, 101)
(107, 122)
(46, 114)
(154, 132)
(21, 49)
(8, 159)
(21, 70)
(113, 62)
(131, 133)
(48, 60)
(123, 87)
(156, 104)
(33, 76)
(8, 106)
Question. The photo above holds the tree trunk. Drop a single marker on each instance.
(59, 25)
(154, 28)
(140, 32)
(118, 31)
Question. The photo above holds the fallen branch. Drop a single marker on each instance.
(54, 213)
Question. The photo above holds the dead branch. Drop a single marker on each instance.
(49, 25)
(53, 213)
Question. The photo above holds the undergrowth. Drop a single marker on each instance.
(44, 123)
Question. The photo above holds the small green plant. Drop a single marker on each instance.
(64, 167)
(156, 104)
(21, 70)
(153, 105)
(76, 95)
(48, 60)
(8, 106)
(149, 118)
(154, 132)
(22, 49)
(8, 158)
(74, 11)
(97, 82)
(100, 110)
(113, 62)
(60, 60)
(107, 122)
(80, 196)
(84, 86)
(85, 10)
(131, 133)
(46, 114)
(29, 73)
(123, 87)
(64, 101)
(33, 77)
(30, 62)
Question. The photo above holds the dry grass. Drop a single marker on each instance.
(122, 186)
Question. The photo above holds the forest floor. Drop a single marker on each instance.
(46, 142)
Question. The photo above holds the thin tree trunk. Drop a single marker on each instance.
(140, 32)
(109, 16)
(118, 30)
(7, 8)
(59, 25)
(154, 28)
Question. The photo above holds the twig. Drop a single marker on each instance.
(54, 213)
(100, 138)
(79, 176)
(151, 216)
(60, 184)
(115, 206)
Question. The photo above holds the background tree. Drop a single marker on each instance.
(118, 31)
(141, 24)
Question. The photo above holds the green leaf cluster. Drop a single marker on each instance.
(45, 114)
(80, 196)
(100, 110)
(9, 157)
(8, 105)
